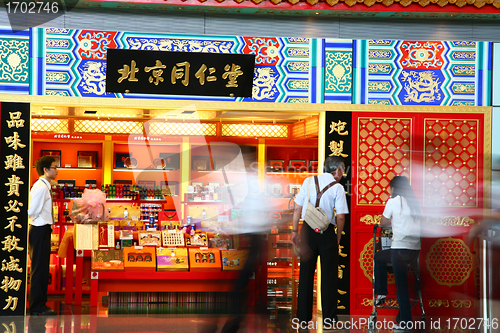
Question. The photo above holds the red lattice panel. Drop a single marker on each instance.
(384, 151)
(451, 163)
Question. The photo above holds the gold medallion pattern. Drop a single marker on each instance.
(449, 261)
(366, 263)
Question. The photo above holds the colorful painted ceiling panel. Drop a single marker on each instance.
(288, 70)
(15, 62)
(428, 73)
(76, 62)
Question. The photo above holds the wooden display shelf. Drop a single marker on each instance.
(137, 281)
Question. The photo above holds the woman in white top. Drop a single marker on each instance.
(402, 212)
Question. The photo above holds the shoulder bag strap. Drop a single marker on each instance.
(320, 194)
(307, 200)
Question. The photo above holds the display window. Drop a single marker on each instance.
(176, 201)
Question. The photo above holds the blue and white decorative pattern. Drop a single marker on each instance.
(14, 61)
(316, 87)
(264, 84)
(360, 71)
(338, 71)
(483, 80)
(420, 87)
(453, 73)
(67, 62)
(93, 79)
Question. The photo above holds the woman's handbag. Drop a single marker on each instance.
(316, 217)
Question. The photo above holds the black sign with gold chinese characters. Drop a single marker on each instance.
(338, 131)
(15, 153)
(179, 73)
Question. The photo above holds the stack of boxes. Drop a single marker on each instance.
(118, 246)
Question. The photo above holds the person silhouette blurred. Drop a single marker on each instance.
(403, 213)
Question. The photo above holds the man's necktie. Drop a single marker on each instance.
(52, 205)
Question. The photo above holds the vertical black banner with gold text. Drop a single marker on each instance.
(15, 154)
(338, 143)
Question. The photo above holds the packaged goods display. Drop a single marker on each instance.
(172, 259)
(140, 258)
(173, 237)
(150, 238)
(167, 213)
(108, 260)
(106, 234)
(131, 192)
(204, 259)
(234, 259)
(86, 237)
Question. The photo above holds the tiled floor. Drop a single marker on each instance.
(172, 318)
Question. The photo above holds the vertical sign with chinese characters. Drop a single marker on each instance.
(338, 129)
(15, 154)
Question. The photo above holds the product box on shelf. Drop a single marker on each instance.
(108, 260)
(125, 243)
(221, 243)
(167, 216)
(233, 260)
(204, 259)
(173, 238)
(198, 239)
(106, 234)
(64, 277)
(172, 259)
(126, 234)
(150, 238)
(127, 224)
(55, 238)
(86, 237)
(124, 212)
(141, 258)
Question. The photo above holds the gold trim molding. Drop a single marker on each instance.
(388, 302)
(235, 106)
(366, 263)
(371, 219)
(455, 221)
(455, 303)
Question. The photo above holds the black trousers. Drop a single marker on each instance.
(39, 252)
(325, 245)
(399, 258)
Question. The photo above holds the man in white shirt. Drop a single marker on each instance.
(41, 219)
(324, 244)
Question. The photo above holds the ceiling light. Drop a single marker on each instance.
(188, 112)
(49, 108)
